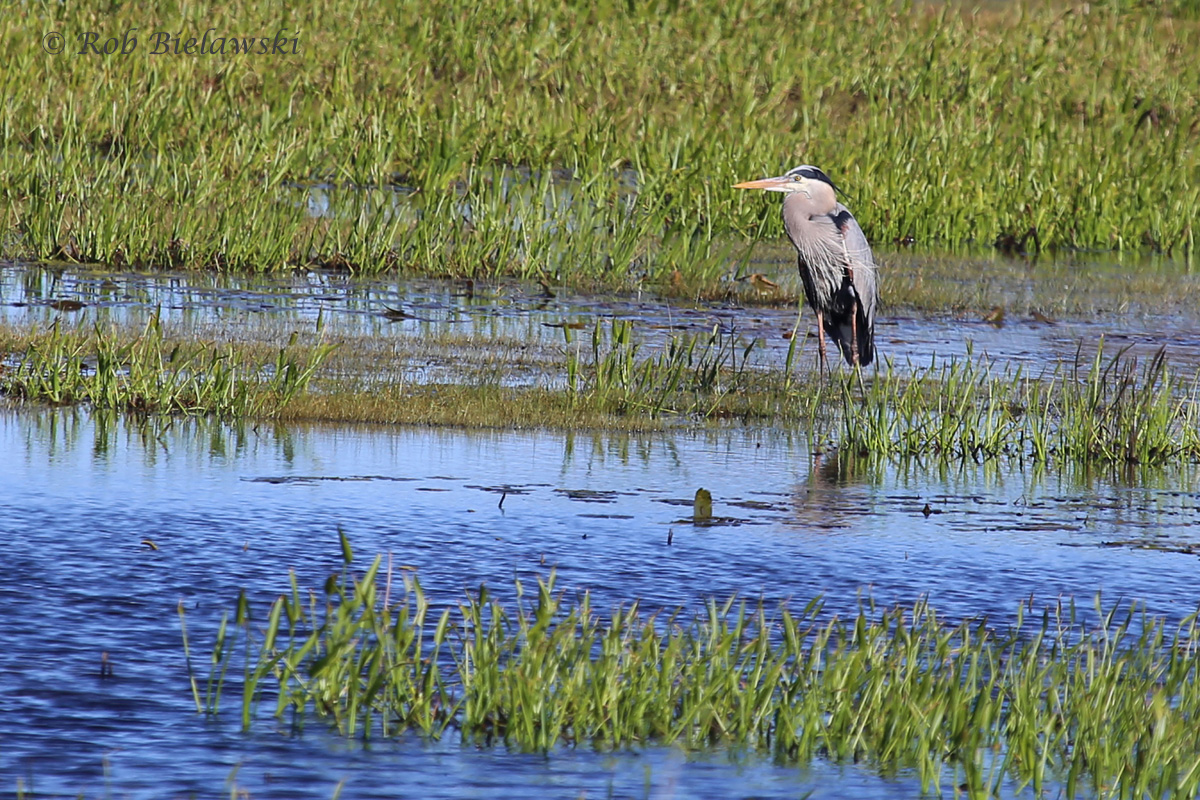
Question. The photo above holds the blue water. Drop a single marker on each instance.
(219, 305)
(238, 507)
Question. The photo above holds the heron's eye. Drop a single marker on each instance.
(796, 178)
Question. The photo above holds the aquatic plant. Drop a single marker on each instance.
(1109, 412)
(1104, 707)
(145, 372)
(689, 375)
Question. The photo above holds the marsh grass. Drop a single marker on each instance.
(1109, 409)
(691, 374)
(147, 373)
(1102, 708)
(592, 144)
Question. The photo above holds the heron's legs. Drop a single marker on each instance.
(853, 314)
(824, 365)
(854, 336)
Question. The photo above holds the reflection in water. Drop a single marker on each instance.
(841, 468)
(836, 491)
(243, 506)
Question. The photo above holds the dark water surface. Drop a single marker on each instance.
(239, 507)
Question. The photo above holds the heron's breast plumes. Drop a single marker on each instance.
(822, 251)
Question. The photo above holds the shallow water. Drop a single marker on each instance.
(258, 307)
(238, 507)
(231, 508)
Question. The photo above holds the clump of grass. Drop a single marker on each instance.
(368, 662)
(689, 375)
(1052, 704)
(147, 373)
(1111, 412)
(1115, 413)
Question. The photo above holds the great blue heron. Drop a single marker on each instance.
(836, 266)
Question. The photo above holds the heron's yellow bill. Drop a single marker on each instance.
(769, 184)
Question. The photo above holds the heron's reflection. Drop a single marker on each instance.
(837, 491)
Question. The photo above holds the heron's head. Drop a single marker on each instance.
(804, 179)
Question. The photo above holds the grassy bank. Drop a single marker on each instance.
(1109, 409)
(1053, 705)
(588, 143)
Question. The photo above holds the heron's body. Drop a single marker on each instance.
(836, 266)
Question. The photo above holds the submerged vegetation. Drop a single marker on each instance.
(1104, 709)
(593, 144)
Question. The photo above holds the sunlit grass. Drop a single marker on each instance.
(1110, 409)
(593, 144)
(1065, 286)
(145, 372)
(1052, 704)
